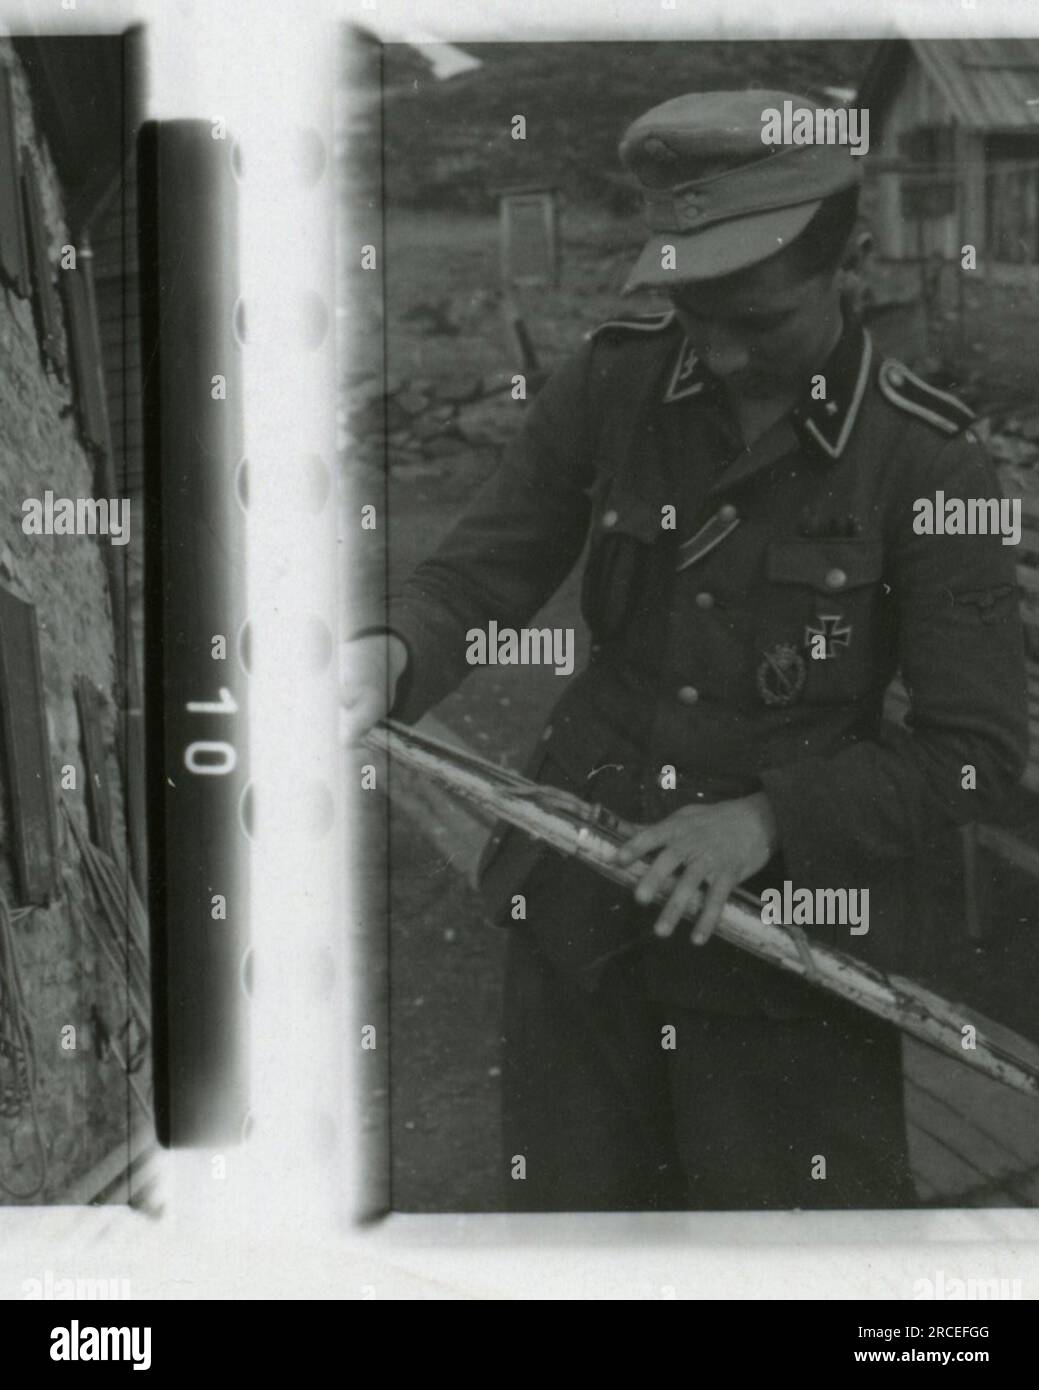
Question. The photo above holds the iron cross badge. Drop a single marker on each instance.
(825, 640)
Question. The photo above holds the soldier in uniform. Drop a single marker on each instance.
(746, 470)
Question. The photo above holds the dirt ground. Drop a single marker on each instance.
(445, 959)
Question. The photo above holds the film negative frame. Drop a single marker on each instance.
(643, 1258)
(197, 640)
(570, 1227)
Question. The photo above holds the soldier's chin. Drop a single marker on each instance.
(754, 387)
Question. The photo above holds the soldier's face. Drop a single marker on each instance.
(763, 331)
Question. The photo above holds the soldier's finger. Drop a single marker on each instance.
(651, 837)
(710, 913)
(684, 899)
(658, 873)
(356, 717)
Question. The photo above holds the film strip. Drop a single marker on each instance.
(197, 636)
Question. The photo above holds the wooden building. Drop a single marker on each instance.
(954, 152)
(75, 1022)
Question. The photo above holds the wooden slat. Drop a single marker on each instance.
(117, 325)
(117, 283)
(983, 1154)
(86, 360)
(134, 783)
(986, 1127)
(30, 776)
(99, 802)
(117, 299)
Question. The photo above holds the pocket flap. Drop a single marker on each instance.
(623, 504)
(624, 516)
(830, 566)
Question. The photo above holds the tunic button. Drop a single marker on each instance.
(705, 600)
(835, 579)
(728, 512)
(688, 695)
(609, 518)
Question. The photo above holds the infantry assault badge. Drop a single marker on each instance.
(781, 675)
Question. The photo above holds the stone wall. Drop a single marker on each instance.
(81, 1096)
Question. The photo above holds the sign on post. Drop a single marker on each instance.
(529, 229)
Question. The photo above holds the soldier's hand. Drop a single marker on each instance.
(370, 668)
(706, 851)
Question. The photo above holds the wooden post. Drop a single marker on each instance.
(969, 154)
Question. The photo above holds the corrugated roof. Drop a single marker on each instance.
(990, 84)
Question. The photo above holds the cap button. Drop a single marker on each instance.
(835, 579)
(728, 512)
(609, 518)
(896, 376)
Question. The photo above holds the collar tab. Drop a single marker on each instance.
(688, 375)
(826, 420)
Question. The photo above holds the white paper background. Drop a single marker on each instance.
(280, 1224)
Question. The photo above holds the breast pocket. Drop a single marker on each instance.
(826, 606)
(621, 568)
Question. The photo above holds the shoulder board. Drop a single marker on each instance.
(909, 393)
(637, 323)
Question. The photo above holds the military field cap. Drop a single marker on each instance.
(716, 192)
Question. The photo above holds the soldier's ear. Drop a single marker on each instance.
(857, 250)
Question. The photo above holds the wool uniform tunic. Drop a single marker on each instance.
(748, 608)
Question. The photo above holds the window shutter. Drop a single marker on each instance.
(27, 758)
(13, 262)
(48, 308)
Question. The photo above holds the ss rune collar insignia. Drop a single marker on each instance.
(781, 675)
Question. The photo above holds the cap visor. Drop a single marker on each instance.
(719, 250)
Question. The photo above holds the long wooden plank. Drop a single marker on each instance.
(571, 826)
(980, 1114)
(23, 724)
